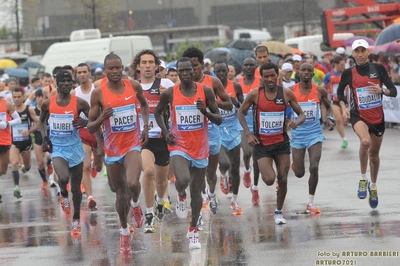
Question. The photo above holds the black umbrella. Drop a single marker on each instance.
(242, 44)
(389, 34)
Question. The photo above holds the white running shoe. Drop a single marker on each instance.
(279, 217)
(181, 208)
(193, 236)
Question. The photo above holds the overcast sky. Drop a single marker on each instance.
(7, 14)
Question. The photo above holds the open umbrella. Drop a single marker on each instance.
(388, 49)
(389, 34)
(17, 72)
(242, 44)
(30, 64)
(349, 41)
(7, 63)
(276, 47)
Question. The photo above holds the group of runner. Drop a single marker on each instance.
(196, 125)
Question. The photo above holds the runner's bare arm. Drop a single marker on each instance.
(35, 119)
(165, 99)
(292, 101)
(97, 113)
(44, 114)
(250, 100)
(214, 116)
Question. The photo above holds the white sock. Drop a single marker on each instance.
(310, 198)
(247, 170)
(160, 200)
(150, 210)
(364, 177)
(254, 187)
(234, 198)
(125, 231)
(372, 185)
(134, 204)
(345, 138)
(165, 199)
(224, 176)
(278, 210)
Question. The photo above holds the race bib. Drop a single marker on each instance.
(17, 132)
(367, 100)
(227, 115)
(189, 118)
(61, 125)
(310, 111)
(3, 117)
(123, 119)
(334, 90)
(154, 129)
(271, 123)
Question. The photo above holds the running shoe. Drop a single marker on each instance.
(276, 186)
(312, 208)
(131, 229)
(23, 169)
(279, 217)
(373, 197)
(76, 227)
(205, 201)
(193, 236)
(83, 188)
(149, 223)
(344, 144)
(44, 185)
(167, 207)
(105, 171)
(17, 193)
(224, 185)
(181, 207)
(200, 223)
(213, 204)
(236, 208)
(159, 211)
(255, 198)
(93, 172)
(51, 181)
(247, 179)
(92, 205)
(49, 168)
(292, 166)
(125, 244)
(171, 178)
(68, 187)
(65, 204)
(362, 189)
(137, 217)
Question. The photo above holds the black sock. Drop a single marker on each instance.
(42, 173)
(27, 168)
(16, 177)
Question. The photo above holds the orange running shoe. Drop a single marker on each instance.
(49, 168)
(93, 172)
(312, 208)
(68, 187)
(205, 202)
(224, 185)
(92, 204)
(247, 179)
(277, 186)
(125, 244)
(236, 208)
(65, 204)
(82, 188)
(44, 185)
(255, 198)
(172, 178)
(137, 217)
(76, 228)
(292, 165)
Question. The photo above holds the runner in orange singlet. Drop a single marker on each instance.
(114, 104)
(188, 139)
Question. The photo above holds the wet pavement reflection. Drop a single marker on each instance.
(35, 231)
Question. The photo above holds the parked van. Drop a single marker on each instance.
(314, 43)
(94, 50)
(257, 36)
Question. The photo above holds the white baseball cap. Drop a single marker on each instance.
(207, 61)
(287, 67)
(162, 64)
(360, 43)
(340, 50)
(297, 57)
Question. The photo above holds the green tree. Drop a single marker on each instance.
(180, 48)
(5, 33)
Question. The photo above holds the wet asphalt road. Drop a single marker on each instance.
(35, 231)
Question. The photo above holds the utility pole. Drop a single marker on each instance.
(17, 20)
(94, 14)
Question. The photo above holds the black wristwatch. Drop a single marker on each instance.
(8, 124)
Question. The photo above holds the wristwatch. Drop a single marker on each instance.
(8, 124)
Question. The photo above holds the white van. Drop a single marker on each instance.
(75, 52)
(257, 36)
(314, 43)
